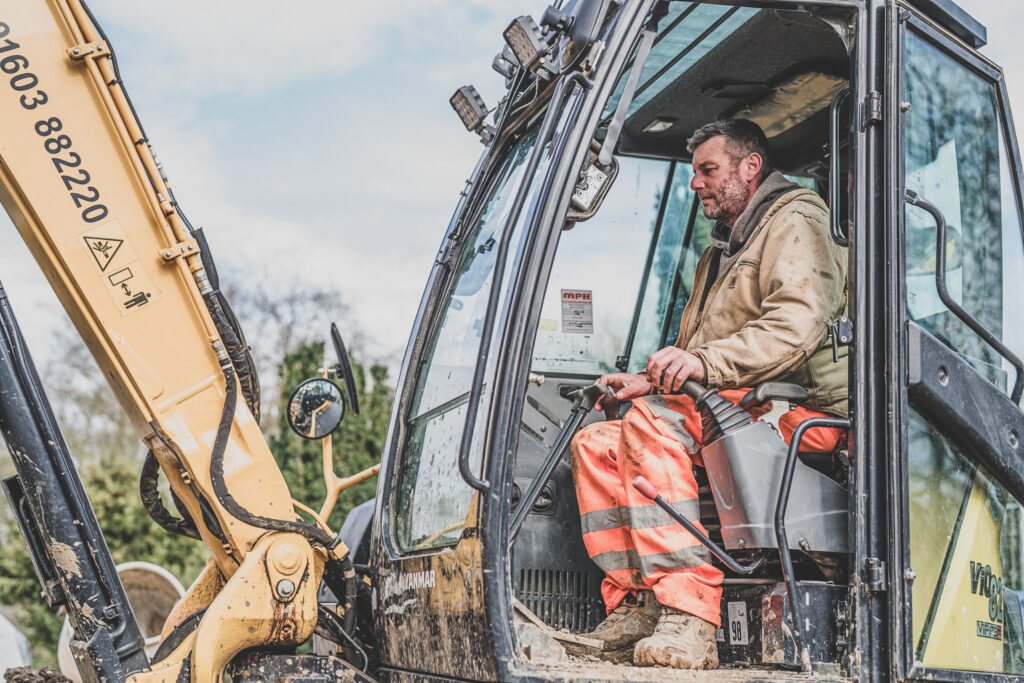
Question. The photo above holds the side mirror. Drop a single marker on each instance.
(315, 408)
(344, 368)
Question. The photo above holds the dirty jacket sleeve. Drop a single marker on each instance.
(801, 280)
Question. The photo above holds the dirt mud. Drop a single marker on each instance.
(25, 674)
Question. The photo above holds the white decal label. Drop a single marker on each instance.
(404, 582)
(577, 311)
(119, 267)
(738, 634)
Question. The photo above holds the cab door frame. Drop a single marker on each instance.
(914, 357)
(872, 290)
(868, 519)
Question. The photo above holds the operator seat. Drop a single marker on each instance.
(744, 462)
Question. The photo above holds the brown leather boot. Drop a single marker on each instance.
(680, 641)
(633, 619)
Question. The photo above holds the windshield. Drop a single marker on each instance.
(621, 279)
(433, 499)
(687, 33)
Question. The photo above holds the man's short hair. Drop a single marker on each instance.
(743, 139)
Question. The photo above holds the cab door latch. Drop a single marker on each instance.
(841, 332)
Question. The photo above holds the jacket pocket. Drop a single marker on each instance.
(741, 273)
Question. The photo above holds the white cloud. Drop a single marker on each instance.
(357, 180)
(1004, 22)
(251, 46)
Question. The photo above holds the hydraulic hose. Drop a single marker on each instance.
(311, 532)
(231, 332)
(150, 495)
(335, 627)
(340, 577)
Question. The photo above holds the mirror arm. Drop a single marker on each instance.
(335, 486)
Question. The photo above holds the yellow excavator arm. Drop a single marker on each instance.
(80, 181)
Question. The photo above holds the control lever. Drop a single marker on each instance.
(648, 490)
(583, 402)
(770, 391)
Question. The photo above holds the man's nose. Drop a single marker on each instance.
(697, 183)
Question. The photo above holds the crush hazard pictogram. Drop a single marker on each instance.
(103, 249)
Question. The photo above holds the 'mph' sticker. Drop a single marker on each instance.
(577, 311)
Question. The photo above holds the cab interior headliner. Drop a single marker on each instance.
(769, 50)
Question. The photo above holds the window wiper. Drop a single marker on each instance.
(604, 158)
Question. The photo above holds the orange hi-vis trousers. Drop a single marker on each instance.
(637, 544)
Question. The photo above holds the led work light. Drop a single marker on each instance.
(524, 37)
(470, 107)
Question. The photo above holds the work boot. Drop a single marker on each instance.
(633, 619)
(680, 641)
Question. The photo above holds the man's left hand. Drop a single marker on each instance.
(671, 366)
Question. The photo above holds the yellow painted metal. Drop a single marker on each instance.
(157, 353)
(335, 485)
(168, 669)
(967, 628)
(249, 612)
(199, 596)
(81, 185)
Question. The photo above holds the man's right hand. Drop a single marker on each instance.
(626, 386)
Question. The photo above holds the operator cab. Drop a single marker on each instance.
(572, 255)
(621, 279)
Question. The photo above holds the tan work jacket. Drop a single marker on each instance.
(768, 312)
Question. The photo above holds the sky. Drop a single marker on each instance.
(314, 140)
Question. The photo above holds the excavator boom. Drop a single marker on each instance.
(83, 188)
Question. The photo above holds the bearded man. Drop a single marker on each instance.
(764, 295)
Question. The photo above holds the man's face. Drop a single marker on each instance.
(723, 185)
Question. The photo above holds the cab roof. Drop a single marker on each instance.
(955, 19)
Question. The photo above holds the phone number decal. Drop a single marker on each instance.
(67, 163)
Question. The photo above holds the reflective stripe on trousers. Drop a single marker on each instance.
(635, 542)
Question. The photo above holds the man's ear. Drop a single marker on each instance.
(751, 167)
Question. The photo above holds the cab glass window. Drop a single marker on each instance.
(956, 158)
(432, 499)
(965, 530)
(967, 551)
(590, 298)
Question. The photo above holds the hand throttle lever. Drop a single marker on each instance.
(647, 490)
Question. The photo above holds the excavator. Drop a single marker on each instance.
(570, 254)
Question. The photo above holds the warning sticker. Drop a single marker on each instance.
(577, 311)
(120, 268)
(103, 249)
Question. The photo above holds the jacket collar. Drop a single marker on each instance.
(767, 193)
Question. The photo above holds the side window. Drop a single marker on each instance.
(685, 235)
(967, 551)
(598, 269)
(679, 246)
(965, 530)
(956, 158)
(431, 499)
